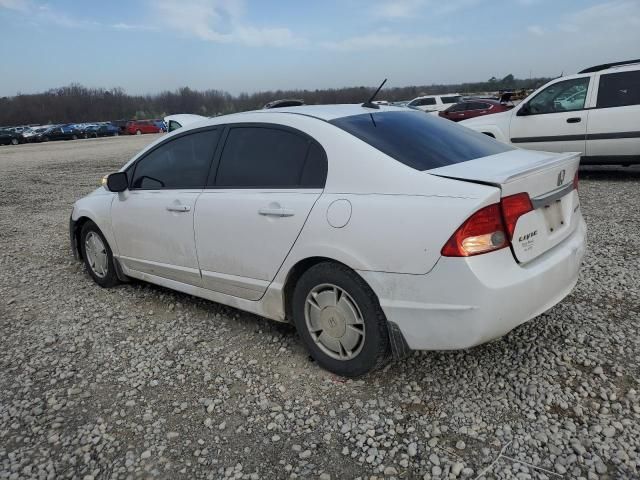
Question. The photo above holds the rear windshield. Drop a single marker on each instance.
(420, 140)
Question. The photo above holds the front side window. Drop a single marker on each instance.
(177, 164)
(173, 125)
(453, 99)
(263, 157)
(420, 141)
(619, 89)
(561, 97)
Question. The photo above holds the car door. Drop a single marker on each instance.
(153, 220)
(268, 178)
(614, 123)
(554, 119)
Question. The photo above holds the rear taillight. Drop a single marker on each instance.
(575, 181)
(482, 232)
(513, 207)
(489, 229)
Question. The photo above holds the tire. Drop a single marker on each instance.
(100, 267)
(74, 137)
(116, 134)
(340, 349)
(138, 132)
(14, 141)
(45, 139)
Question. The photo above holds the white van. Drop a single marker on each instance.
(595, 112)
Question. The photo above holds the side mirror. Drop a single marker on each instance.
(117, 182)
(524, 110)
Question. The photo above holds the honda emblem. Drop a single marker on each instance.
(561, 177)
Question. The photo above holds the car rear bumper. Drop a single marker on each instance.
(465, 302)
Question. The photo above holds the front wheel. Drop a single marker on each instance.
(97, 256)
(74, 137)
(138, 132)
(340, 321)
(14, 141)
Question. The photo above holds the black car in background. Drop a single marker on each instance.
(10, 137)
(58, 133)
(104, 130)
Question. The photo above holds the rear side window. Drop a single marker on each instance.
(423, 101)
(263, 157)
(454, 99)
(619, 89)
(176, 164)
(460, 107)
(173, 125)
(418, 140)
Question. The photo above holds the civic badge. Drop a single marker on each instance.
(561, 177)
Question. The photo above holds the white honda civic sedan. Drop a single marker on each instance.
(375, 231)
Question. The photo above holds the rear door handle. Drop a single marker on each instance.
(574, 120)
(276, 212)
(179, 208)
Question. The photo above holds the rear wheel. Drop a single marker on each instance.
(97, 256)
(14, 141)
(74, 137)
(138, 132)
(340, 321)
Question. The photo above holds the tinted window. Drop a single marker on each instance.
(476, 106)
(460, 107)
(423, 101)
(267, 157)
(180, 163)
(454, 99)
(418, 140)
(561, 97)
(619, 89)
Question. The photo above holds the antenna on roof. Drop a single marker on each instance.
(369, 103)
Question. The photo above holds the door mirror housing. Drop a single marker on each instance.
(117, 182)
(524, 110)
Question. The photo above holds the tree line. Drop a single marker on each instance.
(76, 103)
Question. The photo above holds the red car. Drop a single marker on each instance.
(473, 108)
(139, 127)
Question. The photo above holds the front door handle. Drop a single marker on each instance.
(276, 212)
(574, 120)
(179, 208)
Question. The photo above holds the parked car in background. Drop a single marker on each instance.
(434, 103)
(9, 136)
(57, 133)
(595, 112)
(138, 127)
(103, 130)
(180, 120)
(160, 124)
(473, 107)
(31, 133)
(484, 236)
(284, 102)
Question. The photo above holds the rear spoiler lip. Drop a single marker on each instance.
(508, 176)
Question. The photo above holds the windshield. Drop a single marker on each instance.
(420, 140)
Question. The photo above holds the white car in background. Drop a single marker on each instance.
(595, 112)
(373, 230)
(174, 122)
(434, 103)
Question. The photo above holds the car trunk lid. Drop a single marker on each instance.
(547, 178)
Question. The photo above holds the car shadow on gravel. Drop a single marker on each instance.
(610, 173)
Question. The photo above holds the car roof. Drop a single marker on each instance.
(331, 112)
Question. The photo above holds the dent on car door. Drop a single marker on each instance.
(555, 119)
(614, 123)
(153, 220)
(267, 181)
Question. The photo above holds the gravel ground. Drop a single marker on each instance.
(139, 381)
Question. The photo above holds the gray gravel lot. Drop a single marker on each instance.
(139, 381)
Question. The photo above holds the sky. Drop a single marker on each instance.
(147, 46)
